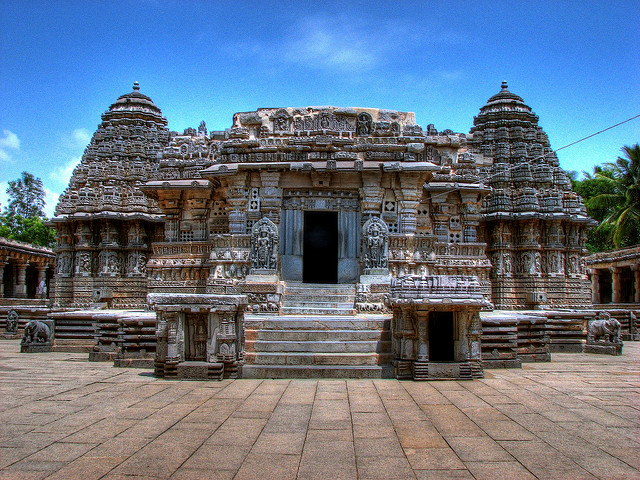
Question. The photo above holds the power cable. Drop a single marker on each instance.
(480, 182)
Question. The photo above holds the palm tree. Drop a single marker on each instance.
(623, 204)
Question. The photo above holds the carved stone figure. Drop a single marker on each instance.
(36, 332)
(364, 124)
(12, 322)
(375, 243)
(264, 245)
(605, 328)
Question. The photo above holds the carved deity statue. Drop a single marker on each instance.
(12, 322)
(375, 235)
(264, 245)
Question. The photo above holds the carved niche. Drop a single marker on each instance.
(364, 123)
(264, 245)
(375, 243)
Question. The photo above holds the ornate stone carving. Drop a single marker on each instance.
(375, 235)
(12, 322)
(604, 328)
(364, 124)
(264, 245)
(36, 337)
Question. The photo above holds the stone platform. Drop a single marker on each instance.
(62, 417)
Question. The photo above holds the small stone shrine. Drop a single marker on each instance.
(320, 241)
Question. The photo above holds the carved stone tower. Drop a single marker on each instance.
(535, 226)
(105, 223)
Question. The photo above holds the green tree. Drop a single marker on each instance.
(614, 199)
(23, 218)
(26, 196)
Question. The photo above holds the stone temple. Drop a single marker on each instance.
(325, 241)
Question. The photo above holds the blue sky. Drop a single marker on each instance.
(62, 63)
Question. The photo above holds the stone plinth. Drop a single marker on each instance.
(603, 348)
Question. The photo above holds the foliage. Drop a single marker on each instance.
(612, 197)
(26, 196)
(24, 219)
(30, 230)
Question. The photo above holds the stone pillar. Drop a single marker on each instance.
(371, 194)
(42, 277)
(616, 287)
(595, 286)
(271, 195)
(411, 192)
(2, 265)
(20, 290)
(423, 338)
(237, 204)
(636, 283)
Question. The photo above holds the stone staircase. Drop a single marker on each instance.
(317, 335)
(318, 299)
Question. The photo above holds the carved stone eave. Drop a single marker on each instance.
(106, 215)
(338, 166)
(211, 302)
(449, 186)
(185, 184)
(443, 301)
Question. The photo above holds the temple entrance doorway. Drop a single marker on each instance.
(441, 341)
(320, 247)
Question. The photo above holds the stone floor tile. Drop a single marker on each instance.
(419, 435)
(61, 452)
(208, 474)
(478, 449)
(384, 468)
(544, 461)
(449, 420)
(366, 430)
(433, 459)
(499, 471)
(280, 443)
(444, 475)
(218, 457)
(87, 468)
(263, 466)
(378, 447)
(328, 436)
(24, 475)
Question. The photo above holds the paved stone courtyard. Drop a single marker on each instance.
(64, 417)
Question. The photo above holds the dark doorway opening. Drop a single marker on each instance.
(606, 289)
(441, 337)
(320, 247)
(627, 287)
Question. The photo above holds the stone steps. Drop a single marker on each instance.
(326, 346)
(318, 346)
(301, 335)
(315, 371)
(318, 299)
(328, 309)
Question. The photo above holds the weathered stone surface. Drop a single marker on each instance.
(434, 226)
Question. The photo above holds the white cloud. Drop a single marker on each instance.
(9, 141)
(81, 137)
(4, 200)
(326, 43)
(51, 200)
(62, 173)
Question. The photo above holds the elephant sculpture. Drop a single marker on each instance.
(36, 332)
(605, 328)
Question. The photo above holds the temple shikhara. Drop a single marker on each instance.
(323, 241)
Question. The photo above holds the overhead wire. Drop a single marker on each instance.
(488, 178)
